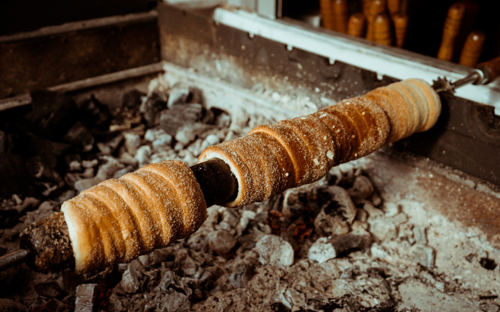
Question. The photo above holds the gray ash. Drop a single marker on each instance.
(344, 243)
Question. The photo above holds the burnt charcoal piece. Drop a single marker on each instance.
(86, 297)
(150, 109)
(94, 115)
(132, 99)
(52, 113)
(80, 136)
(488, 264)
(48, 244)
(242, 276)
(171, 120)
(50, 289)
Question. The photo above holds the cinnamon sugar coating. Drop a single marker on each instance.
(120, 219)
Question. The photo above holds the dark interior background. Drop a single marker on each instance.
(426, 21)
(18, 16)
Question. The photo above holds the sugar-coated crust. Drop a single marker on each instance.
(329, 144)
(298, 152)
(351, 129)
(318, 141)
(433, 101)
(285, 168)
(339, 133)
(415, 102)
(410, 103)
(269, 163)
(188, 191)
(376, 122)
(252, 159)
(118, 220)
(393, 105)
(422, 103)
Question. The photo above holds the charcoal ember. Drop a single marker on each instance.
(41, 157)
(222, 242)
(143, 155)
(52, 113)
(94, 114)
(155, 258)
(105, 172)
(425, 255)
(86, 297)
(241, 276)
(291, 298)
(110, 146)
(490, 307)
(187, 134)
(151, 107)
(90, 163)
(189, 267)
(295, 202)
(88, 173)
(230, 216)
(163, 143)
(372, 211)
(246, 217)
(274, 250)
(212, 139)
(488, 264)
(326, 248)
(382, 228)
(130, 282)
(222, 120)
(322, 250)
(419, 234)
(336, 216)
(132, 99)
(49, 289)
(330, 221)
(391, 209)
(78, 135)
(334, 176)
(178, 95)
(75, 165)
(115, 304)
(8, 305)
(362, 188)
(172, 294)
(132, 142)
(349, 173)
(174, 118)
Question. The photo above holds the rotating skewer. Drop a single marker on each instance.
(483, 74)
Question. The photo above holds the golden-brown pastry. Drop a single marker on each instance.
(433, 101)
(300, 155)
(118, 220)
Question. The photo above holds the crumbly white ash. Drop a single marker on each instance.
(341, 244)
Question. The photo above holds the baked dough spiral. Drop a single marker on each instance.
(120, 219)
(298, 151)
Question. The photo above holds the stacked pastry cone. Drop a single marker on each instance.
(120, 219)
(299, 151)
